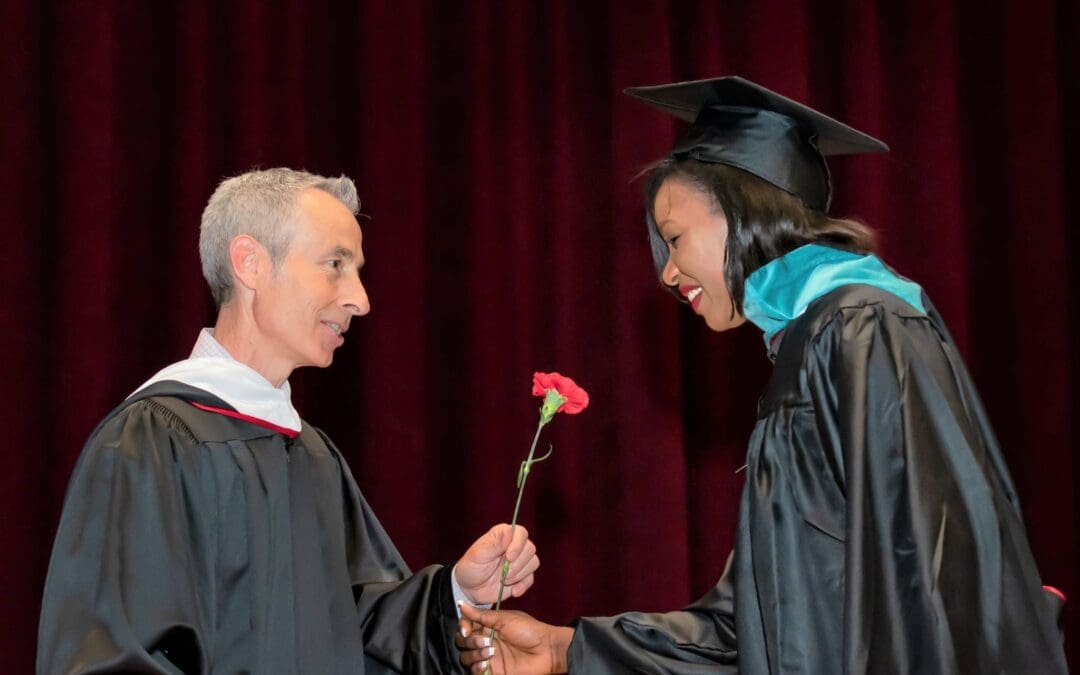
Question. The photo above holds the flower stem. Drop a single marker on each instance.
(524, 473)
(552, 402)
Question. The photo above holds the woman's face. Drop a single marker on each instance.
(696, 236)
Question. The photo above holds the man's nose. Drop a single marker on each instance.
(356, 298)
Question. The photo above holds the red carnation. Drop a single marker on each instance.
(577, 399)
(561, 394)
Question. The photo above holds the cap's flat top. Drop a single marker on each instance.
(685, 100)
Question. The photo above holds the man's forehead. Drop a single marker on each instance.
(323, 214)
(314, 200)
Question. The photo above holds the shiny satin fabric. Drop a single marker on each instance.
(191, 542)
(743, 124)
(737, 136)
(879, 531)
(696, 640)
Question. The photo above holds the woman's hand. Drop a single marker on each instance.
(522, 644)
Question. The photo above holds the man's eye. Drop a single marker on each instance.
(335, 264)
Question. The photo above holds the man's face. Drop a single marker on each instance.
(304, 307)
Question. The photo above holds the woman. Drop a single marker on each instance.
(878, 529)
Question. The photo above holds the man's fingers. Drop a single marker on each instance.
(518, 544)
(522, 554)
(498, 541)
(517, 572)
(518, 589)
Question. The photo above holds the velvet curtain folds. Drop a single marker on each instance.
(496, 160)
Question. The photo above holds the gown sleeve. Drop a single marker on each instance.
(697, 639)
(409, 625)
(408, 619)
(123, 592)
(939, 576)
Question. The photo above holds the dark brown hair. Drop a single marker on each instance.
(764, 222)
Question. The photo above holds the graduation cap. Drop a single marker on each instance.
(745, 125)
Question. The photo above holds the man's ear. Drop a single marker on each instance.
(249, 259)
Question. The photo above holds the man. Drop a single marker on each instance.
(207, 528)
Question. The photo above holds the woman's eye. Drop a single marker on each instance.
(672, 241)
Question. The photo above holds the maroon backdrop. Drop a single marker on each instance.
(496, 157)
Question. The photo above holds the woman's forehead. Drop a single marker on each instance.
(676, 195)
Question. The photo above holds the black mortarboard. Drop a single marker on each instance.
(745, 125)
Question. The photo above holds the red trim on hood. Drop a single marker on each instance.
(247, 418)
(1051, 589)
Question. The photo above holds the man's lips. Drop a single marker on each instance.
(338, 327)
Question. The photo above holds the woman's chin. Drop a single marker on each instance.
(726, 322)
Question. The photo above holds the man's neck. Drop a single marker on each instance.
(237, 332)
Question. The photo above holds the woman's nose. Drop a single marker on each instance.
(670, 275)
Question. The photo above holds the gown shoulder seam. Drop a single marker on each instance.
(171, 417)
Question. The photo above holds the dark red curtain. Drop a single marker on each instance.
(496, 160)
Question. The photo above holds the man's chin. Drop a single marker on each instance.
(322, 362)
(317, 361)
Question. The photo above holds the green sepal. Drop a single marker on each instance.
(553, 400)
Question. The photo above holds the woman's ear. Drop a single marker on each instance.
(249, 260)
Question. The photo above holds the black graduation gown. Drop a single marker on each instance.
(879, 531)
(194, 542)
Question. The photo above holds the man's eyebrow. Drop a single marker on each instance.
(346, 254)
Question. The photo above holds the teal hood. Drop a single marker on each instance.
(782, 290)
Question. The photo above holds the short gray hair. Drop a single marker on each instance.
(262, 204)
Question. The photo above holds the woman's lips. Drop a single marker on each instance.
(692, 295)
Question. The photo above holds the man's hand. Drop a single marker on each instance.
(479, 570)
(522, 644)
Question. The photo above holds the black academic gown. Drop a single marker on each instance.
(194, 542)
(879, 531)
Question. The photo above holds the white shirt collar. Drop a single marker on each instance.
(212, 369)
